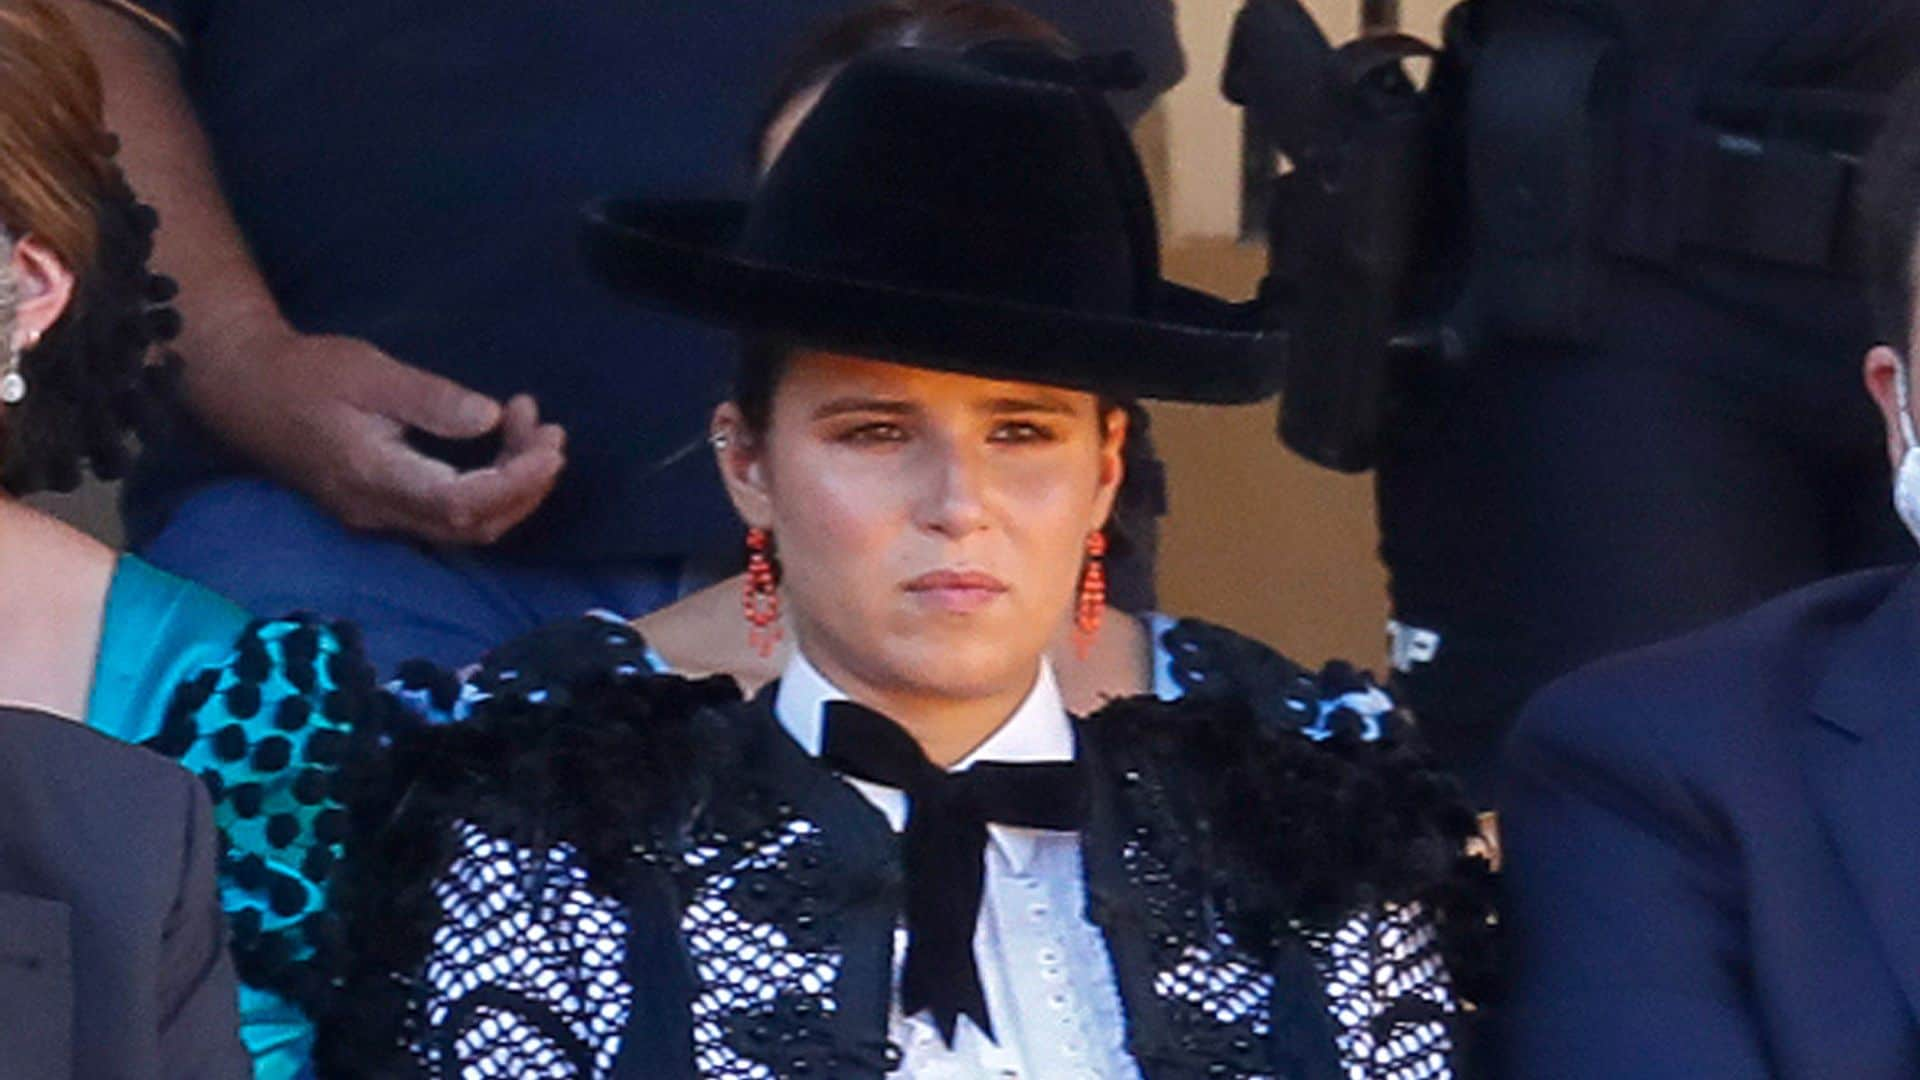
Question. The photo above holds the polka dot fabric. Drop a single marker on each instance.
(268, 731)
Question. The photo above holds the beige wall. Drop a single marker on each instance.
(1257, 538)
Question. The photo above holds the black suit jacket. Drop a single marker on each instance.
(113, 959)
(1714, 850)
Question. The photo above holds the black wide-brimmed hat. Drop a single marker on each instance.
(981, 212)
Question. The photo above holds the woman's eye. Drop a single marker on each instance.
(1021, 431)
(876, 432)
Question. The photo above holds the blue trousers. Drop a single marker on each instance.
(273, 552)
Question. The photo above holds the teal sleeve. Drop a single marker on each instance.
(265, 718)
(268, 730)
(157, 632)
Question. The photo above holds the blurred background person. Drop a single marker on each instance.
(1658, 424)
(412, 408)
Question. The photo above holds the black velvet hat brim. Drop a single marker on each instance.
(677, 255)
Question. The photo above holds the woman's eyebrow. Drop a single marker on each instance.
(1040, 403)
(844, 405)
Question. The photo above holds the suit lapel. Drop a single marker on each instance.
(1864, 766)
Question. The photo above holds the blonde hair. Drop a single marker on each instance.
(90, 386)
(56, 159)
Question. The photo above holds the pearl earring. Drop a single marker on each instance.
(13, 384)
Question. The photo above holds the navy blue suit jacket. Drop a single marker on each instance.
(1714, 850)
(113, 957)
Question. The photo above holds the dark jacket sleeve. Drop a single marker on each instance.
(1625, 902)
(199, 1024)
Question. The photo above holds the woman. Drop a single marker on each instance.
(906, 856)
(90, 635)
(1131, 653)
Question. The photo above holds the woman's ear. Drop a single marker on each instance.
(1113, 468)
(742, 465)
(43, 287)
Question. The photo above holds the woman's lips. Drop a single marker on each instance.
(956, 591)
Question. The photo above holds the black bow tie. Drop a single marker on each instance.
(944, 846)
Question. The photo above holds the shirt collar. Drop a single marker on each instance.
(1038, 730)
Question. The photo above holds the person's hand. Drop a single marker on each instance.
(329, 415)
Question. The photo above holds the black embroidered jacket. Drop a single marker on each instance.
(609, 873)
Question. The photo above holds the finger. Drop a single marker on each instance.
(485, 504)
(518, 421)
(433, 404)
(522, 431)
(406, 491)
(429, 499)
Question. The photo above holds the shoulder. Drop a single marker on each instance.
(101, 793)
(143, 593)
(156, 631)
(58, 754)
(1279, 760)
(586, 649)
(702, 634)
(1318, 818)
(1698, 701)
(273, 681)
(557, 776)
(1199, 661)
(566, 733)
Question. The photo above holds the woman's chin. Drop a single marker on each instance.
(964, 665)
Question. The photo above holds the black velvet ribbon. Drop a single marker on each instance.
(945, 845)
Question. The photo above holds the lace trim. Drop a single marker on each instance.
(1389, 993)
(527, 972)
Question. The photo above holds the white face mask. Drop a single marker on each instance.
(1906, 481)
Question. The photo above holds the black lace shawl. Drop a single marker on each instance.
(619, 764)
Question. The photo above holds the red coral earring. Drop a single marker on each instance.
(760, 597)
(1092, 602)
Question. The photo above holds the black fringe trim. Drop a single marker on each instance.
(1289, 829)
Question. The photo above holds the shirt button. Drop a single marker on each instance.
(1053, 974)
(1049, 955)
(1059, 999)
(1039, 910)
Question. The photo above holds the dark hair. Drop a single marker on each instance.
(1892, 207)
(90, 388)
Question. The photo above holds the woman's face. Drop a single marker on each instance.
(930, 526)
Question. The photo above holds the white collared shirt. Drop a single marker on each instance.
(1049, 983)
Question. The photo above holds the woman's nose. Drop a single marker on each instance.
(955, 497)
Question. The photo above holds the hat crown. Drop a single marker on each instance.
(996, 174)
